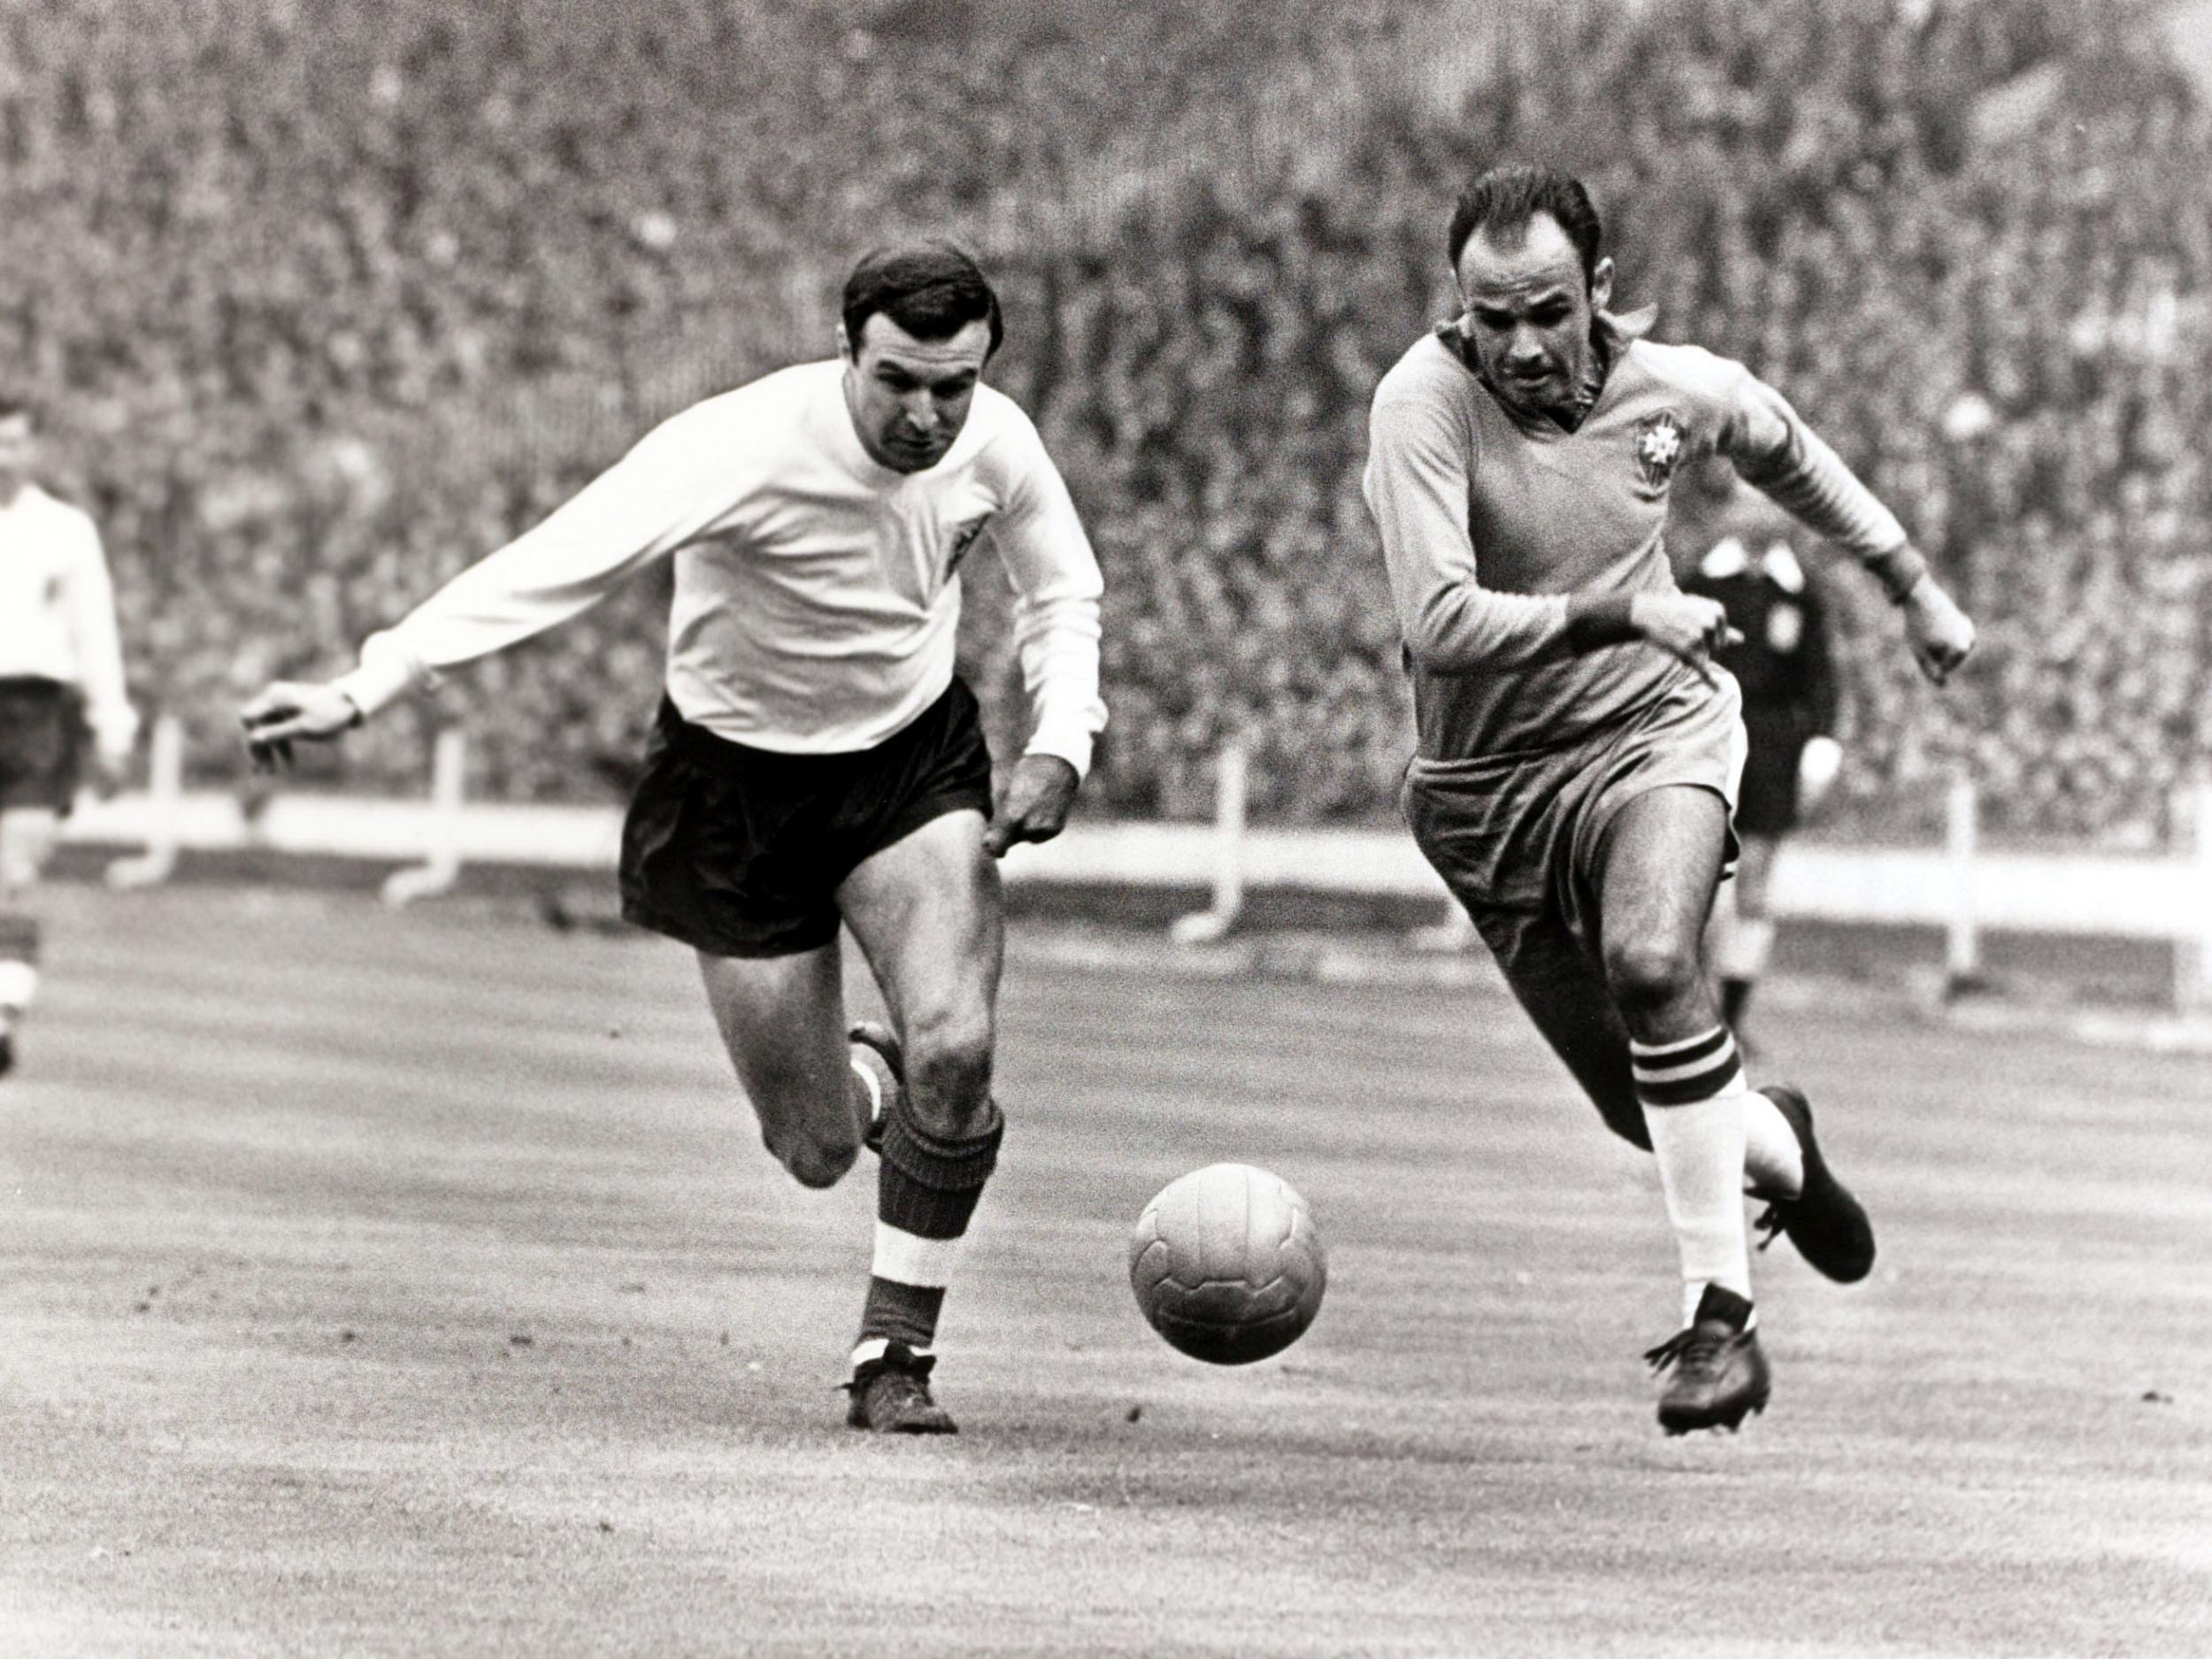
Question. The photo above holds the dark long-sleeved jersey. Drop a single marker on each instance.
(1494, 524)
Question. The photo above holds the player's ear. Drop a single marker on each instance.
(1601, 284)
(844, 343)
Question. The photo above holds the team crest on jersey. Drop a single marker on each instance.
(1661, 440)
(963, 539)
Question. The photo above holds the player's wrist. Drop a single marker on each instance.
(1900, 571)
(1596, 619)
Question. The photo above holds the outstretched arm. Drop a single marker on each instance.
(642, 508)
(1057, 591)
(1775, 451)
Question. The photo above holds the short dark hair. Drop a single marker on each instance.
(932, 289)
(1510, 196)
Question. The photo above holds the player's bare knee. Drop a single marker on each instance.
(815, 1158)
(1645, 977)
(949, 1073)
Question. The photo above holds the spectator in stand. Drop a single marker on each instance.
(61, 672)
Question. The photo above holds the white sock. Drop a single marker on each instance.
(19, 987)
(1698, 1144)
(1774, 1163)
(870, 1081)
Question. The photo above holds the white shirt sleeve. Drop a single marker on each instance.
(98, 648)
(658, 497)
(1057, 591)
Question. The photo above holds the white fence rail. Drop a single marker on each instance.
(1961, 886)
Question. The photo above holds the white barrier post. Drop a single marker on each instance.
(1963, 951)
(441, 867)
(164, 801)
(1202, 927)
(2193, 944)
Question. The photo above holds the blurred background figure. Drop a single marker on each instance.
(61, 675)
(1784, 665)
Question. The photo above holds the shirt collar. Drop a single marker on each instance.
(1612, 332)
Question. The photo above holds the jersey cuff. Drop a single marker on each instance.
(1597, 619)
(1898, 570)
(383, 677)
(1070, 743)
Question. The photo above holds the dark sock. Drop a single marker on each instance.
(926, 1190)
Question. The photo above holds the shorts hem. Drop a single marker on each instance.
(712, 943)
(927, 810)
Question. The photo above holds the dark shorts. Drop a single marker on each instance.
(1526, 831)
(1520, 839)
(42, 744)
(1767, 804)
(740, 851)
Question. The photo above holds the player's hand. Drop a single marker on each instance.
(1817, 764)
(1035, 805)
(289, 709)
(1942, 634)
(1687, 627)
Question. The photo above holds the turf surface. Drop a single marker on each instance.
(415, 1285)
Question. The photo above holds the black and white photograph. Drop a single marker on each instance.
(1106, 829)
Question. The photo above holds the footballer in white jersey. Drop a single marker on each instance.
(816, 763)
(61, 680)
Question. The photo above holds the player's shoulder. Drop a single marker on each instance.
(779, 394)
(59, 517)
(745, 421)
(995, 417)
(1427, 373)
(1001, 436)
(1687, 370)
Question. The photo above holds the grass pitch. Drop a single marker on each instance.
(416, 1285)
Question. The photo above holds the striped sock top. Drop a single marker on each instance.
(1681, 1073)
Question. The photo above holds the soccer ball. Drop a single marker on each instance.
(1227, 1265)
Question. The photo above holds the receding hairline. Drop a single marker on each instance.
(1513, 236)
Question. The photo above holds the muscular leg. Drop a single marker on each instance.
(1658, 869)
(1555, 979)
(929, 913)
(782, 1020)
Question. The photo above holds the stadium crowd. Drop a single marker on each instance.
(321, 306)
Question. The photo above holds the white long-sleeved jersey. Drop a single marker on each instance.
(815, 600)
(58, 611)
